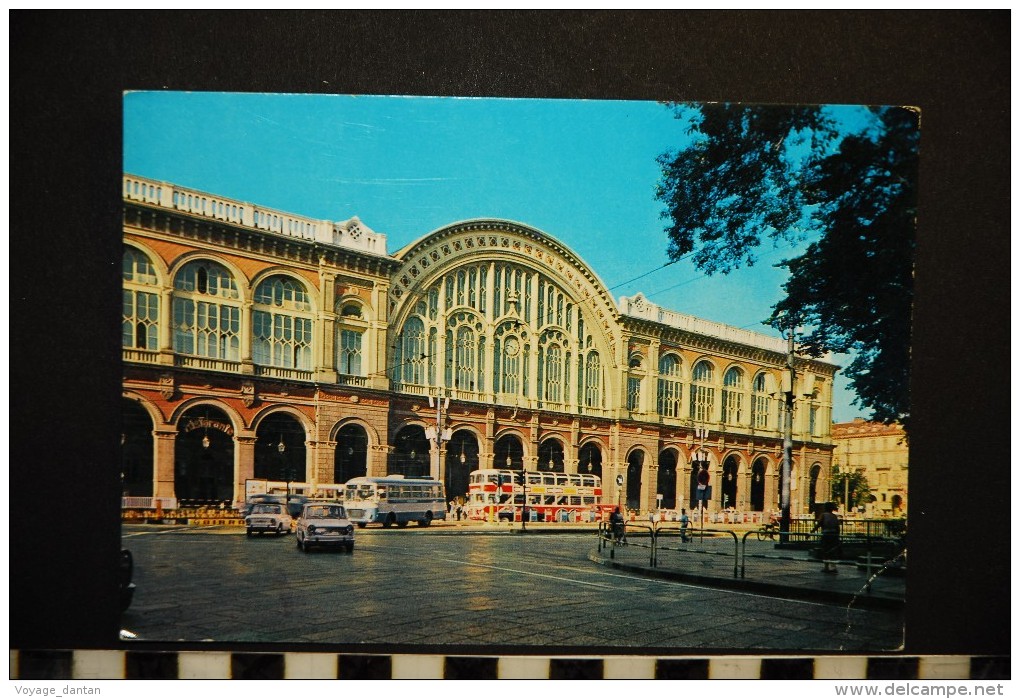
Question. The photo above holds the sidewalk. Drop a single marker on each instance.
(764, 569)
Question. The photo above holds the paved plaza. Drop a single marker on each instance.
(461, 587)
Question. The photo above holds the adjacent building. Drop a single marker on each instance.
(880, 451)
(263, 344)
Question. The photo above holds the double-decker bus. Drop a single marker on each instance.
(551, 497)
(394, 500)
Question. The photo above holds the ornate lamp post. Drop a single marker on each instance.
(281, 448)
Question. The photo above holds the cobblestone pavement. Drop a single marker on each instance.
(459, 586)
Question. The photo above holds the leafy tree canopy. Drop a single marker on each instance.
(851, 489)
(795, 175)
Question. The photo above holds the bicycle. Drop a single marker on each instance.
(768, 531)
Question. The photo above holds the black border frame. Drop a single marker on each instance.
(67, 75)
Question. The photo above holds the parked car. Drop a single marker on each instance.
(126, 571)
(294, 503)
(268, 517)
(324, 524)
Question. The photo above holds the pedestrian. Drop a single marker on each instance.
(829, 524)
(684, 523)
(616, 520)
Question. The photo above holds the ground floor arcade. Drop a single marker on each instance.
(200, 447)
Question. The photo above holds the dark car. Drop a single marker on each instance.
(294, 505)
(126, 571)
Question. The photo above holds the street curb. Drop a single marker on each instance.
(862, 600)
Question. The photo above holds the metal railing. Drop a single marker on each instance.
(878, 552)
(656, 538)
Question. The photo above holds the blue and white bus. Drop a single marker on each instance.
(394, 500)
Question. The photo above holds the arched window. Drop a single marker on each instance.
(510, 362)
(670, 386)
(140, 319)
(592, 381)
(464, 359)
(207, 312)
(410, 367)
(282, 324)
(348, 352)
(733, 396)
(761, 402)
(554, 373)
(702, 392)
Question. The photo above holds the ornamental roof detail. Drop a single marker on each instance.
(351, 234)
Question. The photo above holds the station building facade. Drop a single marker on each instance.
(263, 344)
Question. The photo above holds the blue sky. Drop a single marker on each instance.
(582, 171)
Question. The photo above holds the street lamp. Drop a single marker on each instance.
(280, 449)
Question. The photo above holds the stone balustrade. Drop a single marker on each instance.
(352, 233)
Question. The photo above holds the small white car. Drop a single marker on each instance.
(268, 517)
(324, 524)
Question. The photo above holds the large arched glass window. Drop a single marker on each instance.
(140, 320)
(592, 381)
(702, 392)
(761, 403)
(465, 354)
(207, 312)
(282, 324)
(670, 387)
(733, 396)
(554, 373)
(410, 365)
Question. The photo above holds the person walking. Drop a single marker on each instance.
(616, 520)
(685, 521)
(829, 524)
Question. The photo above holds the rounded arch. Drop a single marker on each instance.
(509, 450)
(307, 424)
(160, 268)
(515, 262)
(462, 457)
(671, 364)
(204, 454)
(350, 451)
(373, 434)
(759, 477)
(235, 418)
(814, 474)
(268, 275)
(699, 367)
(281, 452)
(352, 306)
(154, 412)
(636, 457)
(729, 480)
(589, 456)
(136, 448)
(411, 455)
(244, 286)
(666, 480)
(552, 454)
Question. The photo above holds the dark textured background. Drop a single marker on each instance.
(67, 74)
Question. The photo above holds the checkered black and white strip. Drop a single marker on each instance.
(118, 664)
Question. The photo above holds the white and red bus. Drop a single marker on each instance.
(551, 497)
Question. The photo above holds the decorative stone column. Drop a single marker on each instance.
(244, 463)
(164, 453)
(377, 456)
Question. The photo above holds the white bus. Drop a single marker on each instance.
(394, 500)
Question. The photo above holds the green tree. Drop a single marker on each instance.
(850, 487)
(793, 175)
